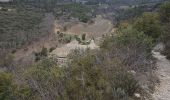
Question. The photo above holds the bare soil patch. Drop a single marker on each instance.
(97, 29)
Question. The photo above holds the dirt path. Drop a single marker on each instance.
(163, 90)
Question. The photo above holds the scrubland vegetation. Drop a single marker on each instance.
(121, 68)
(18, 27)
(74, 10)
(165, 19)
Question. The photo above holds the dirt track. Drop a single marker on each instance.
(163, 90)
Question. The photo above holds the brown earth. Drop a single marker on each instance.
(97, 29)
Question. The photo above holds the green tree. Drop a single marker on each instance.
(149, 24)
(11, 91)
(165, 12)
(47, 80)
(87, 80)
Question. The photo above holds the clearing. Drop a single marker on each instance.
(99, 27)
(67, 48)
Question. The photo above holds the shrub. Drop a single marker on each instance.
(84, 18)
(46, 78)
(165, 12)
(44, 52)
(9, 90)
(119, 94)
(149, 24)
(126, 82)
(67, 39)
(6, 86)
(51, 49)
(83, 37)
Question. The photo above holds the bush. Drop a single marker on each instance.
(44, 52)
(51, 49)
(129, 38)
(119, 94)
(83, 37)
(126, 82)
(84, 18)
(46, 78)
(165, 18)
(165, 12)
(99, 78)
(6, 86)
(67, 39)
(149, 24)
(11, 91)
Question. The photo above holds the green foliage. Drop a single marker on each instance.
(6, 86)
(87, 80)
(65, 38)
(125, 81)
(127, 45)
(98, 79)
(47, 80)
(83, 18)
(77, 38)
(128, 14)
(165, 12)
(83, 37)
(18, 27)
(77, 11)
(51, 49)
(88, 76)
(132, 38)
(41, 54)
(44, 51)
(149, 24)
(46, 5)
(129, 38)
(11, 91)
(119, 94)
